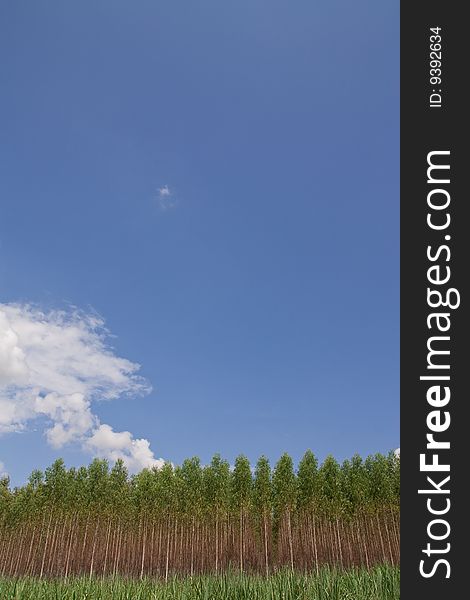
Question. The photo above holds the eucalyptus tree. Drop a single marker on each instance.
(6, 500)
(307, 482)
(285, 496)
(97, 487)
(354, 486)
(381, 494)
(17, 525)
(186, 519)
(36, 480)
(35, 491)
(394, 507)
(380, 490)
(5, 497)
(217, 496)
(81, 492)
(330, 487)
(307, 498)
(71, 519)
(332, 502)
(97, 484)
(142, 492)
(118, 489)
(55, 486)
(241, 494)
(191, 492)
(393, 462)
(263, 501)
(166, 492)
(190, 496)
(55, 480)
(119, 512)
(4, 487)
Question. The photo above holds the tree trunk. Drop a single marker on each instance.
(291, 550)
(265, 526)
(241, 541)
(45, 547)
(216, 543)
(167, 551)
(94, 548)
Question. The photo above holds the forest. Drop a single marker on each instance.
(195, 519)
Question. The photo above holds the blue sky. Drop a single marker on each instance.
(220, 182)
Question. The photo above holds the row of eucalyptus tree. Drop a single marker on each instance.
(193, 518)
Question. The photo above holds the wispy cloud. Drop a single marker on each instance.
(53, 367)
(166, 198)
(164, 192)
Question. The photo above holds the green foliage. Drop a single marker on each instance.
(217, 486)
(332, 500)
(356, 487)
(242, 484)
(379, 481)
(262, 486)
(96, 484)
(307, 481)
(165, 488)
(284, 484)
(189, 487)
(119, 489)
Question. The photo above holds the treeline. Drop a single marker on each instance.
(193, 519)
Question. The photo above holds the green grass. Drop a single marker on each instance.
(381, 583)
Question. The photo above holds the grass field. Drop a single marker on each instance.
(381, 583)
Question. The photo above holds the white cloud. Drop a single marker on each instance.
(3, 472)
(164, 191)
(12, 360)
(71, 416)
(55, 365)
(111, 444)
(166, 198)
(397, 452)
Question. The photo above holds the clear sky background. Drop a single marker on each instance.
(220, 182)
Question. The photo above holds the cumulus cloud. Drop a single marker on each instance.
(397, 452)
(70, 414)
(3, 472)
(55, 365)
(166, 198)
(112, 444)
